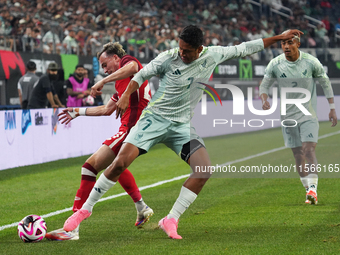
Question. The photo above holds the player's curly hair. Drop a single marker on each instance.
(192, 35)
(112, 49)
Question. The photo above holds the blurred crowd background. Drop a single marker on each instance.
(146, 28)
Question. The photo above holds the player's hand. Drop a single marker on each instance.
(289, 34)
(67, 115)
(122, 105)
(265, 105)
(333, 118)
(54, 106)
(96, 89)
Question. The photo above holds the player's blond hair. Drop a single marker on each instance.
(112, 49)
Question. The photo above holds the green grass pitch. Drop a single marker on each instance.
(246, 215)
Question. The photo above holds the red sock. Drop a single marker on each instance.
(128, 183)
(86, 185)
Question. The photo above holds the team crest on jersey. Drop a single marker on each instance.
(304, 73)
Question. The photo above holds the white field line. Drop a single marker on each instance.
(166, 181)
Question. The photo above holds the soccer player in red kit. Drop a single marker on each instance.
(121, 68)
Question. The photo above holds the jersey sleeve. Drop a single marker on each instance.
(69, 84)
(268, 79)
(115, 97)
(222, 54)
(127, 59)
(320, 75)
(155, 67)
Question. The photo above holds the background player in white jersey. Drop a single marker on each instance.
(295, 68)
(166, 119)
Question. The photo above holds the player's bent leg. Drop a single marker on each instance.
(94, 164)
(189, 191)
(127, 154)
(106, 180)
(197, 179)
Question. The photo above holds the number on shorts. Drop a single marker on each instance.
(148, 125)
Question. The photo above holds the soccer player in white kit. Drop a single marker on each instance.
(295, 68)
(167, 118)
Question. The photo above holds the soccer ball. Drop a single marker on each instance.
(32, 229)
(88, 101)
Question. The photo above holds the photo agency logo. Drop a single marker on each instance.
(239, 102)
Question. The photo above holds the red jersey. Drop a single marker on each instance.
(138, 99)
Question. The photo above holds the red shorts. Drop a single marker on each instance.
(116, 141)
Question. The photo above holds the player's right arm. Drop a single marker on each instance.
(266, 83)
(70, 113)
(126, 71)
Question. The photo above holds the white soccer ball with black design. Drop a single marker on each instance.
(32, 229)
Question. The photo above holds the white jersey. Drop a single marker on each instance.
(302, 73)
(180, 87)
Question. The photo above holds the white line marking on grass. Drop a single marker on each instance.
(167, 181)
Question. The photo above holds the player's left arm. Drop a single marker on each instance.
(332, 114)
(287, 35)
(129, 69)
(222, 54)
(320, 75)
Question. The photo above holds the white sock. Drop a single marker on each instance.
(304, 181)
(140, 205)
(184, 200)
(313, 181)
(102, 185)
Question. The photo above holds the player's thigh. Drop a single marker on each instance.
(183, 140)
(309, 131)
(115, 142)
(291, 136)
(102, 158)
(148, 131)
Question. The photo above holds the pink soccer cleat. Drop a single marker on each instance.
(169, 226)
(74, 220)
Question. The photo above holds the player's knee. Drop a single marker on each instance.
(309, 152)
(120, 164)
